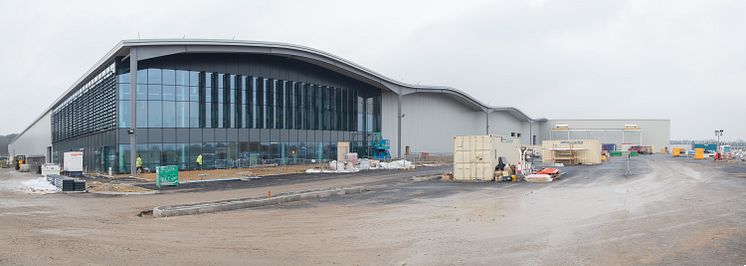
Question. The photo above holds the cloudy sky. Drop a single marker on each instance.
(683, 60)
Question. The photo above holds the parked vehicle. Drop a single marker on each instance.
(641, 149)
(18, 161)
(645, 149)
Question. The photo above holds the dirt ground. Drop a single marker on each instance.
(669, 211)
(230, 173)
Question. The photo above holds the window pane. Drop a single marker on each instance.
(153, 158)
(169, 93)
(280, 86)
(142, 114)
(208, 155)
(270, 103)
(124, 91)
(242, 120)
(142, 76)
(169, 77)
(182, 77)
(169, 155)
(142, 92)
(220, 115)
(194, 78)
(193, 114)
(154, 76)
(182, 152)
(154, 92)
(369, 114)
(169, 114)
(182, 93)
(182, 114)
(155, 114)
(243, 154)
(360, 114)
(195, 149)
(124, 158)
(124, 77)
(208, 115)
(193, 94)
(377, 113)
(221, 155)
(233, 117)
(124, 114)
(258, 103)
(232, 154)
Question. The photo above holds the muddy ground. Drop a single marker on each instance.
(669, 211)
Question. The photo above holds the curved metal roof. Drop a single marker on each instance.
(315, 56)
(162, 47)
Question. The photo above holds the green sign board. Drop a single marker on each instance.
(167, 175)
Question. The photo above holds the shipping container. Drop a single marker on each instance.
(571, 152)
(475, 157)
(608, 147)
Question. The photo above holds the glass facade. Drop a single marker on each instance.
(240, 111)
(86, 121)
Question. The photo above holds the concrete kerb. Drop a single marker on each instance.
(151, 192)
(233, 204)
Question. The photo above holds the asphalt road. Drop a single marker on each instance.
(278, 180)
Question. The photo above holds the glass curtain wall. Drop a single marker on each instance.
(172, 99)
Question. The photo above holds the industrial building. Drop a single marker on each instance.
(242, 103)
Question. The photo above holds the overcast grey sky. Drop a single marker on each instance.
(683, 60)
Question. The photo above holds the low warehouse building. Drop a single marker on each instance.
(242, 103)
(621, 132)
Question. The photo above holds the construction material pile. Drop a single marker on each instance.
(361, 164)
(538, 178)
(38, 185)
(66, 183)
(543, 176)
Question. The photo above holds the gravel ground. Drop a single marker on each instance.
(669, 211)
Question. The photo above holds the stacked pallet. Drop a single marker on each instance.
(66, 183)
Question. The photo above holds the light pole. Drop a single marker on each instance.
(718, 133)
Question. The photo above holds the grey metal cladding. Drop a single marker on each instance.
(208, 134)
(182, 135)
(221, 134)
(195, 135)
(155, 135)
(231, 134)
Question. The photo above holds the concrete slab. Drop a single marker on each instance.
(243, 203)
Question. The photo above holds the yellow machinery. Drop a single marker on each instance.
(699, 153)
(676, 152)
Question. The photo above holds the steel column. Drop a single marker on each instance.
(133, 111)
(398, 131)
(487, 121)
